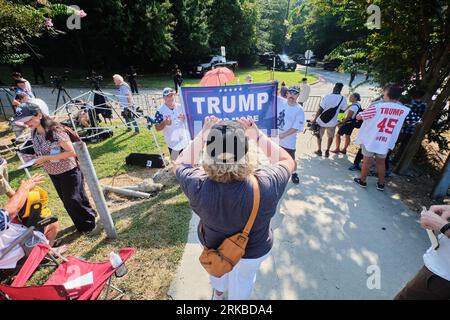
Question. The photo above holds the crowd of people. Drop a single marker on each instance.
(218, 177)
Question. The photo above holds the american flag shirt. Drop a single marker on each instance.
(382, 123)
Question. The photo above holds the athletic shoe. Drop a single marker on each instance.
(380, 187)
(319, 153)
(354, 167)
(295, 178)
(327, 153)
(360, 182)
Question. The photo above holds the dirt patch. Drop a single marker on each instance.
(118, 202)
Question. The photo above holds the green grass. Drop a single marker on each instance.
(156, 227)
(76, 78)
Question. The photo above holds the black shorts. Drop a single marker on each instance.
(291, 152)
(346, 129)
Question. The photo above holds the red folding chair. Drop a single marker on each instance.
(72, 268)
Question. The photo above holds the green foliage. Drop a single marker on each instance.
(439, 130)
(21, 21)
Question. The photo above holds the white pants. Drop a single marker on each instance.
(239, 281)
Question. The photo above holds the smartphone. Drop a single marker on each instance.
(433, 238)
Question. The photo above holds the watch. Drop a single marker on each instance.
(445, 228)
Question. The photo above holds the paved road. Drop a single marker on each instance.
(330, 236)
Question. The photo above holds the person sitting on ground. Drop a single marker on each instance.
(381, 126)
(348, 124)
(220, 191)
(24, 98)
(169, 119)
(327, 117)
(432, 282)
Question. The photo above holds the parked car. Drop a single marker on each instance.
(300, 59)
(332, 65)
(214, 61)
(282, 62)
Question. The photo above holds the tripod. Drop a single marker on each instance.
(62, 92)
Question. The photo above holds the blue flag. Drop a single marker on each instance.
(230, 103)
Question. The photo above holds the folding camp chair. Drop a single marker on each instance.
(74, 279)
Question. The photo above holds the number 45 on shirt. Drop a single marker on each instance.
(387, 125)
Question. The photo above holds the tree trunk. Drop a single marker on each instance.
(432, 111)
(441, 188)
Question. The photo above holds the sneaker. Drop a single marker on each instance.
(327, 153)
(380, 186)
(336, 151)
(319, 153)
(354, 167)
(295, 178)
(360, 182)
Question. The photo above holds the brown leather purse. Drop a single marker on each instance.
(222, 260)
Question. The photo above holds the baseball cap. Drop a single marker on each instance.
(20, 81)
(293, 90)
(168, 91)
(227, 143)
(25, 112)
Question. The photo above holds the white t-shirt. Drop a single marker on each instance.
(438, 261)
(289, 117)
(305, 89)
(176, 135)
(7, 236)
(382, 123)
(353, 108)
(330, 101)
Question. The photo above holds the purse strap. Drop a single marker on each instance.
(256, 200)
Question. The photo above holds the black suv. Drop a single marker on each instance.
(332, 65)
(282, 62)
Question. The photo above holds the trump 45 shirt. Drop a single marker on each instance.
(382, 123)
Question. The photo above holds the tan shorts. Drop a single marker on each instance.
(4, 184)
(367, 153)
(330, 132)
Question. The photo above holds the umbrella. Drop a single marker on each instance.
(217, 77)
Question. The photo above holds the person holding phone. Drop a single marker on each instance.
(432, 282)
(51, 142)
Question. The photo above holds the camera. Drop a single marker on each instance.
(95, 80)
(58, 81)
(314, 127)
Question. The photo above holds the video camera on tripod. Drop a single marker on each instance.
(58, 81)
(95, 80)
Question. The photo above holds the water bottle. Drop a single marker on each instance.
(54, 151)
(116, 261)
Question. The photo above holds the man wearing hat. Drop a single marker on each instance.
(170, 120)
(291, 120)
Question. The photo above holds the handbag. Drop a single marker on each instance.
(222, 260)
(329, 114)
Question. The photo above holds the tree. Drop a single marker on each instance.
(21, 21)
(232, 24)
(191, 34)
(411, 47)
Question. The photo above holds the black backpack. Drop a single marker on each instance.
(357, 123)
(145, 160)
(329, 114)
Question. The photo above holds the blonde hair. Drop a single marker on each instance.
(227, 172)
